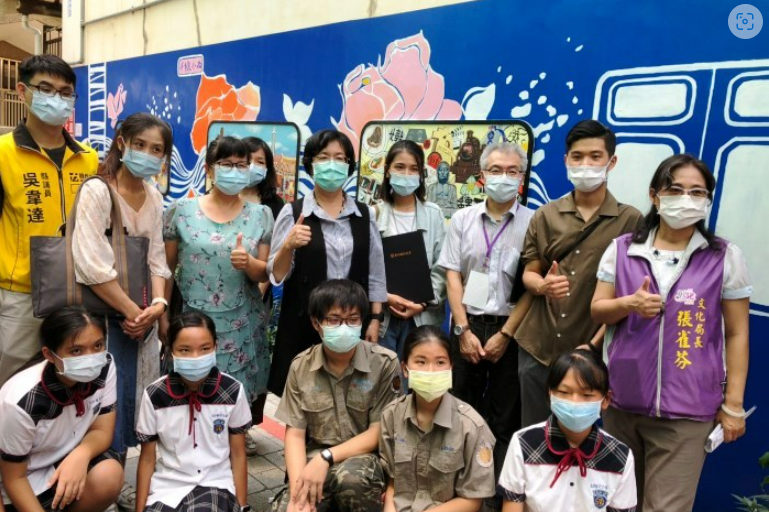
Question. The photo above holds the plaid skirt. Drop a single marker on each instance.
(201, 499)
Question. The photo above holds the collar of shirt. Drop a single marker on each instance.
(442, 414)
(360, 359)
(311, 206)
(609, 207)
(645, 249)
(179, 390)
(557, 441)
(61, 393)
(23, 138)
(386, 215)
(485, 210)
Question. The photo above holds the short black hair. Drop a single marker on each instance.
(230, 146)
(186, 320)
(341, 293)
(425, 334)
(318, 143)
(592, 129)
(47, 65)
(415, 150)
(66, 323)
(211, 152)
(589, 369)
(269, 185)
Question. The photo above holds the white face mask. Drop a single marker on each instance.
(502, 189)
(680, 212)
(83, 368)
(587, 178)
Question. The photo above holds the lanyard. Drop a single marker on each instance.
(490, 245)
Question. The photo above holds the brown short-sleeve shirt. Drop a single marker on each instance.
(454, 459)
(552, 327)
(335, 409)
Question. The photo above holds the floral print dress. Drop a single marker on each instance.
(210, 284)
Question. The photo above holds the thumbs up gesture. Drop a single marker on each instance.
(299, 236)
(646, 304)
(239, 255)
(554, 285)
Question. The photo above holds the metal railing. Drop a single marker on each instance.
(9, 73)
(12, 109)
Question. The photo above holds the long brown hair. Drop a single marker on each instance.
(132, 126)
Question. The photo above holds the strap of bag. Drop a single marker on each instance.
(74, 291)
(582, 236)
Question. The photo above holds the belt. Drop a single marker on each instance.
(486, 319)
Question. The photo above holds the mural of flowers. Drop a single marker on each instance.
(404, 87)
(218, 100)
(115, 104)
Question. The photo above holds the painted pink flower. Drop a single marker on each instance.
(115, 104)
(216, 298)
(404, 87)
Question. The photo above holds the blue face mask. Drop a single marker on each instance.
(331, 175)
(404, 184)
(231, 182)
(52, 110)
(575, 416)
(342, 338)
(501, 189)
(140, 164)
(256, 174)
(195, 368)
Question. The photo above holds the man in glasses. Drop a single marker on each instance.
(41, 168)
(332, 407)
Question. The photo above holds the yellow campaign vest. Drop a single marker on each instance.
(37, 197)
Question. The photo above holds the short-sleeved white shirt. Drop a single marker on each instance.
(194, 445)
(39, 420)
(531, 465)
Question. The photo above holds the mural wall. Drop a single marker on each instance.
(664, 80)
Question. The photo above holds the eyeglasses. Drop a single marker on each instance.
(679, 191)
(513, 172)
(228, 166)
(335, 321)
(47, 89)
(324, 159)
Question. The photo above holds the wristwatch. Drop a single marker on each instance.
(459, 329)
(327, 456)
(377, 316)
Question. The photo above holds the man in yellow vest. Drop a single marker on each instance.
(41, 168)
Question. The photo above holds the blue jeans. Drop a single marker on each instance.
(125, 353)
(395, 336)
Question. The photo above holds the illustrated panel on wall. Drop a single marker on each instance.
(281, 138)
(452, 157)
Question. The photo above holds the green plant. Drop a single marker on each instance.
(759, 502)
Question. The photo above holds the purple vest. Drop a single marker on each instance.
(670, 366)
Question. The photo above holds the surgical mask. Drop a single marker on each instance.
(501, 188)
(232, 181)
(682, 211)
(52, 110)
(342, 338)
(195, 368)
(256, 174)
(83, 368)
(331, 175)
(404, 184)
(587, 178)
(141, 164)
(430, 385)
(575, 416)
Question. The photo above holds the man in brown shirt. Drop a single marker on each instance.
(563, 247)
(332, 405)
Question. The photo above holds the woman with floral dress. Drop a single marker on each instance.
(217, 245)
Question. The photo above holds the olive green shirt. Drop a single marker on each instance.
(454, 459)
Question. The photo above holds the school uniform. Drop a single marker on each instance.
(192, 430)
(42, 421)
(454, 459)
(544, 472)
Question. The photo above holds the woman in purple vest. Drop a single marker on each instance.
(675, 300)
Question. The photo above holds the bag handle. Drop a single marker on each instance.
(74, 291)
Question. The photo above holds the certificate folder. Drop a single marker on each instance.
(408, 273)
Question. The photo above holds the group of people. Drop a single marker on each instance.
(579, 311)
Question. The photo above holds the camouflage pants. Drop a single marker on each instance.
(354, 485)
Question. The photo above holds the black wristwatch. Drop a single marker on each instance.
(377, 316)
(327, 456)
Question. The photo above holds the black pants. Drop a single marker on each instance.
(535, 398)
(490, 388)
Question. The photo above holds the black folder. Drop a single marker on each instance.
(406, 268)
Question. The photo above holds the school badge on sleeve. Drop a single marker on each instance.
(599, 498)
(484, 456)
(218, 426)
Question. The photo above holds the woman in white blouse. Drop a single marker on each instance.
(142, 146)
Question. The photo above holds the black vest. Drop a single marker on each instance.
(295, 331)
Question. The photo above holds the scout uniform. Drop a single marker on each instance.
(335, 409)
(192, 429)
(42, 421)
(454, 459)
(542, 470)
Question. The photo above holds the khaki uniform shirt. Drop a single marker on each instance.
(552, 327)
(335, 409)
(454, 459)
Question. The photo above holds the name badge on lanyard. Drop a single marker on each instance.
(477, 288)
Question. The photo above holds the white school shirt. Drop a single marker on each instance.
(194, 449)
(39, 419)
(531, 465)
